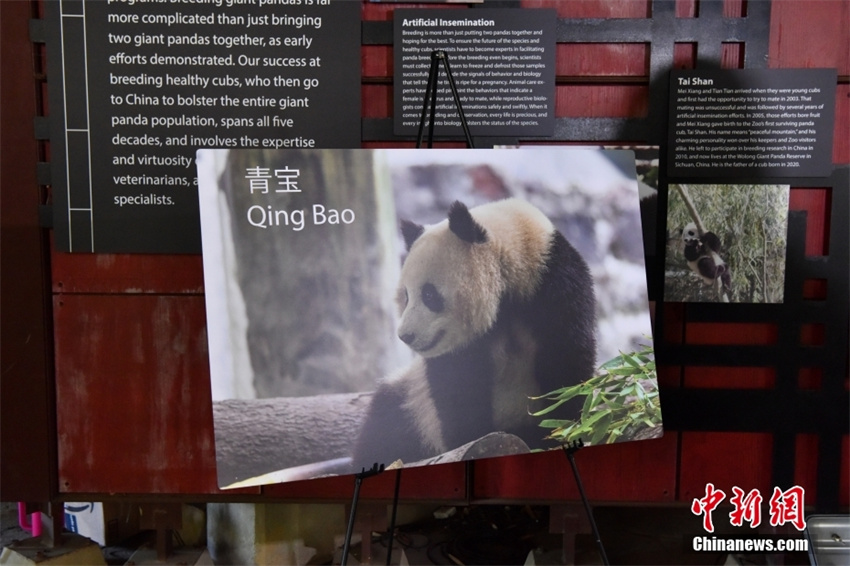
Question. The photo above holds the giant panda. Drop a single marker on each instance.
(702, 252)
(497, 306)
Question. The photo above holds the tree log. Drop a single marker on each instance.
(263, 441)
(255, 437)
(489, 446)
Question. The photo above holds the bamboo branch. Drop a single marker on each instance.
(689, 204)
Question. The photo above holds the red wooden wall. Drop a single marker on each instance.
(133, 412)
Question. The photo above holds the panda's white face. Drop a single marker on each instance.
(690, 232)
(448, 293)
(457, 272)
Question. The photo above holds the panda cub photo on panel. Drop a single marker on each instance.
(498, 306)
(726, 243)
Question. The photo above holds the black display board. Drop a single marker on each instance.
(502, 60)
(753, 122)
(137, 87)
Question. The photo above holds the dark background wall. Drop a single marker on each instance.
(84, 419)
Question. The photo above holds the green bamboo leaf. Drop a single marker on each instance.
(613, 362)
(597, 400)
(588, 402)
(548, 409)
(601, 429)
(595, 417)
(607, 400)
(589, 387)
(632, 361)
(554, 423)
(625, 370)
(559, 394)
(556, 435)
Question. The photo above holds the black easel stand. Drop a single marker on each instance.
(358, 479)
(569, 450)
(391, 530)
(438, 57)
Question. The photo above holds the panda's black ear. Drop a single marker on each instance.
(464, 226)
(411, 231)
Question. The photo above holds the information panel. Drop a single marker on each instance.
(762, 122)
(502, 60)
(136, 87)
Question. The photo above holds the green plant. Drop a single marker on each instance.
(620, 401)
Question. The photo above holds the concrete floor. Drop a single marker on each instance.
(9, 529)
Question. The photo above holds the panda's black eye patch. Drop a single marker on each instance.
(432, 298)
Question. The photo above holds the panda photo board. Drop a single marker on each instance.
(412, 307)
